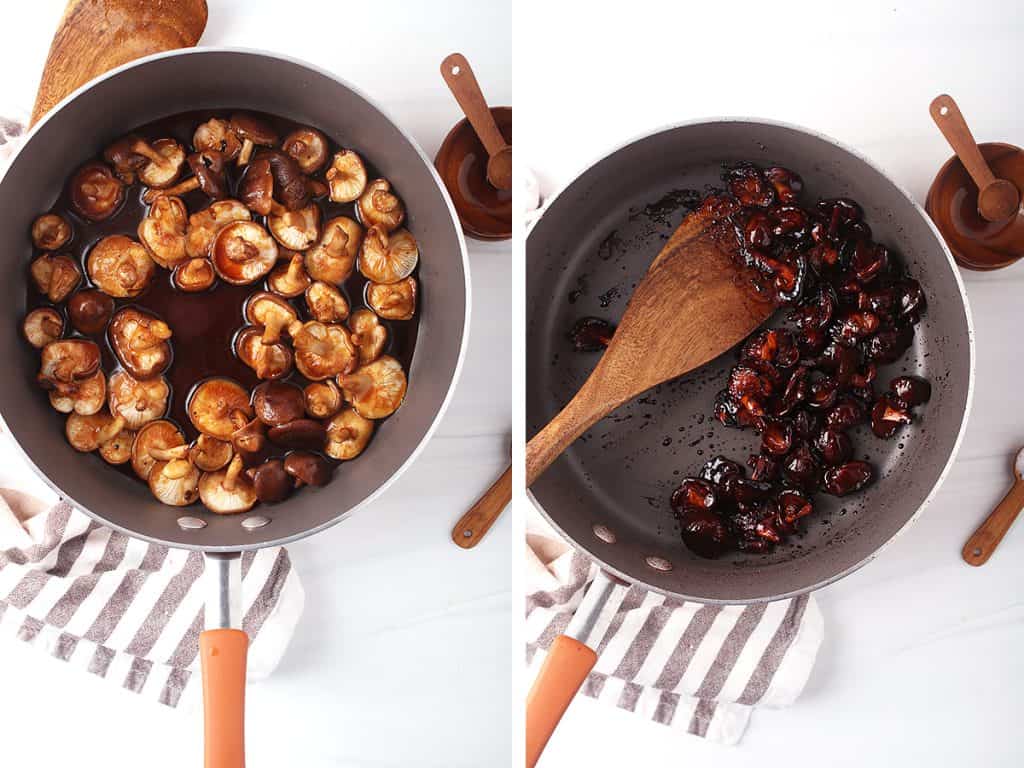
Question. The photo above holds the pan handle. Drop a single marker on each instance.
(223, 653)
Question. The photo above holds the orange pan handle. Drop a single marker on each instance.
(223, 655)
(564, 669)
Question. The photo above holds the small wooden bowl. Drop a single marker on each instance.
(485, 212)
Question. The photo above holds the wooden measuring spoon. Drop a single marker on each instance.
(983, 542)
(693, 304)
(472, 526)
(460, 78)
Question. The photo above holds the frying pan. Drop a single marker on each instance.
(209, 78)
(608, 494)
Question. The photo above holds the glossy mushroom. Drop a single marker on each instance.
(395, 301)
(388, 258)
(375, 390)
(347, 435)
(67, 361)
(118, 449)
(380, 207)
(346, 178)
(85, 396)
(296, 230)
(278, 402)
(243, 252)
(137, 402)
(252, 131)
(216, 135)
(210, 454)
(41, 326)
(301, 434)
(174, 482)
(228, 491)
(333, 258)
(289, 278)
(120, 266)
(194, 275)
(270, 360)
(326, 303)
(273, 184)
(157, 437)
(270, 482)
(249, 439)
(87, 432)
(368, 334)
(204, 225)
(55, 276)
(140, 342)
(208, 175)
(307, 468)
(308, 147)
(90, 311)
(323, 350)
(95, 192)
(157, 164)
(271, 312)
(218, 406)
(322, 399)
(50, 232)
(162, 231)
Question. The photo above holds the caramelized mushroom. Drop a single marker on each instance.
(90, 311)
(388, 258)
(368, 334)
(347, 435)
(95, 192)
(396, 301)
(55, 276)
(156, 437)
(138, 402)
(194, 275)
(323, 350)
(88, 432)
(68, 361)
(207, 175)
(322, 399)
(252, 131)
(85, 396)
(249, 438)
(332, 259)
(210, 454)
(277, 402)
(158, 164)
(379, 207)
(204, 225)
(289, 278)
(307, 468)
(163, 231)
(274, 184)
(325, 303)
(174, 482)
(308, 147)
(243, 252)
(50, 231)
(346, 178)
(375, 390)
(119, 266)
(218, 406)
(299, 434)
(228, 491)
(272, 312)
(216, 135)
(139, 341)
(296, 230)
(118, 449)
(270, 482)
(270, 361)
(41, 326)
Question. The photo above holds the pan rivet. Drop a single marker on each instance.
(659, 563)
(604, 533)
(191, 523)
(254, 522)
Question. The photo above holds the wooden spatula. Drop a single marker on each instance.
(694, 304)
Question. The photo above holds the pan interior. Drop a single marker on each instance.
(585, 256)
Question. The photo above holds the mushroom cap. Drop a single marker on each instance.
(163, 231)
(308, 468)
(248, 126)
(323, 350)
(118, 449)
(42, 325)
(194, 275)
(90, 310)
(165, 163)
(346, 178)
(308, 147)
(278, 402)
(243, 252)
(270, 361)
(227, 491)
(50, 231)
(174, 482)
(156, 435)
(270, 311)
(208, 168)
(137, 402)
(301, 434)
(388, 258)
(379, 206)
(249, 440)
(66, 361)
(333, 258)
(256, 189)
(290, 184)
(217, 135)
(55, 276)
(87, 432)
(95, 192)
(368, 334)
(85, 396)
(214, 405)
(322, 399)
(270, 482)
(394, 301)
(375, 390)
(210, 454)
(326, 303)
(347, 435)
(139, 341)
(124, 158)
(204, 225)
(296, 230)
(289, 278)
(120, 266)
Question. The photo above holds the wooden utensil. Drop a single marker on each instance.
(94, 36)
(693, 304)
(472, 526)
(983, 542)
(460, 78)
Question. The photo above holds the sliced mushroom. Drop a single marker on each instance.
(333, 258)
(96, 193)
(322, 399)
(194, 275)
(396, 301)
(346, 177)
(243, 252)
(216, 135)
(204, 225)
(140, 342)
(207, 175)
(296, 230)
(50, 231)
(308, 147)
(163, 231)
(174, 482)
(388, 258)
(326, 303)
(375, 390)
(368, 334)
(55, 276)
(41, 326)
(270, 361)
(301, 434)
(85, 396)
(380, 207)
(347, 435)
(67, 361)
(118, 449)
(120, 267)
(289, 278)
(218, 406)
(252, 131)
(270, 482)
(210, 454)
(90, 311)
(278, 402)
(156, 437)
(307, 468)
(88, 432)
(272, 312)
(138, 402)
(323, 350)
(228, 491)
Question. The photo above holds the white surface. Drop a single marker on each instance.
(405, 638)
(922, 662)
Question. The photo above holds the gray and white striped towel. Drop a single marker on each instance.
(700, 668)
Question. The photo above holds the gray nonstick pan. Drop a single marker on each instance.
(219, 79)
(609, 492)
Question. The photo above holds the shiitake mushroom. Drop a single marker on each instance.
(243, 252)
(375, 390)
(308, 147)
(120, 266)
(95, 192)
(379, 206)
(55, 276)
(333, 258)
(41, 326)
(50, 232)
(89, 311)
(346, 178)
(140, 342)
(393, 301)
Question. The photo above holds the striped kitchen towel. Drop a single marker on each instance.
(126, 610)
(700, 668)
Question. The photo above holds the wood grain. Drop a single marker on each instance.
(983, 542)
(472, 526)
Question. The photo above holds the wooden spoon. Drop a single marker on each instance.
(472, 526)
(693, 304)
(460, 78)
(983, 542)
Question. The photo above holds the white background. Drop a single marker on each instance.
(923, 662)
(405, 637)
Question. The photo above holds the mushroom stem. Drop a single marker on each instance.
(180, 188)
(169, 454)
(239, 419)
(383, 201)
(231, 475)
(143, 148)
(51, 327)
(246, 153)
(338, 242)
(272, 327)
(276, 209)
(109, 432)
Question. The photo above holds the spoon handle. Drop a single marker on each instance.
(950, 120)
(481, 516)
(460, 78)
(983, 542)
